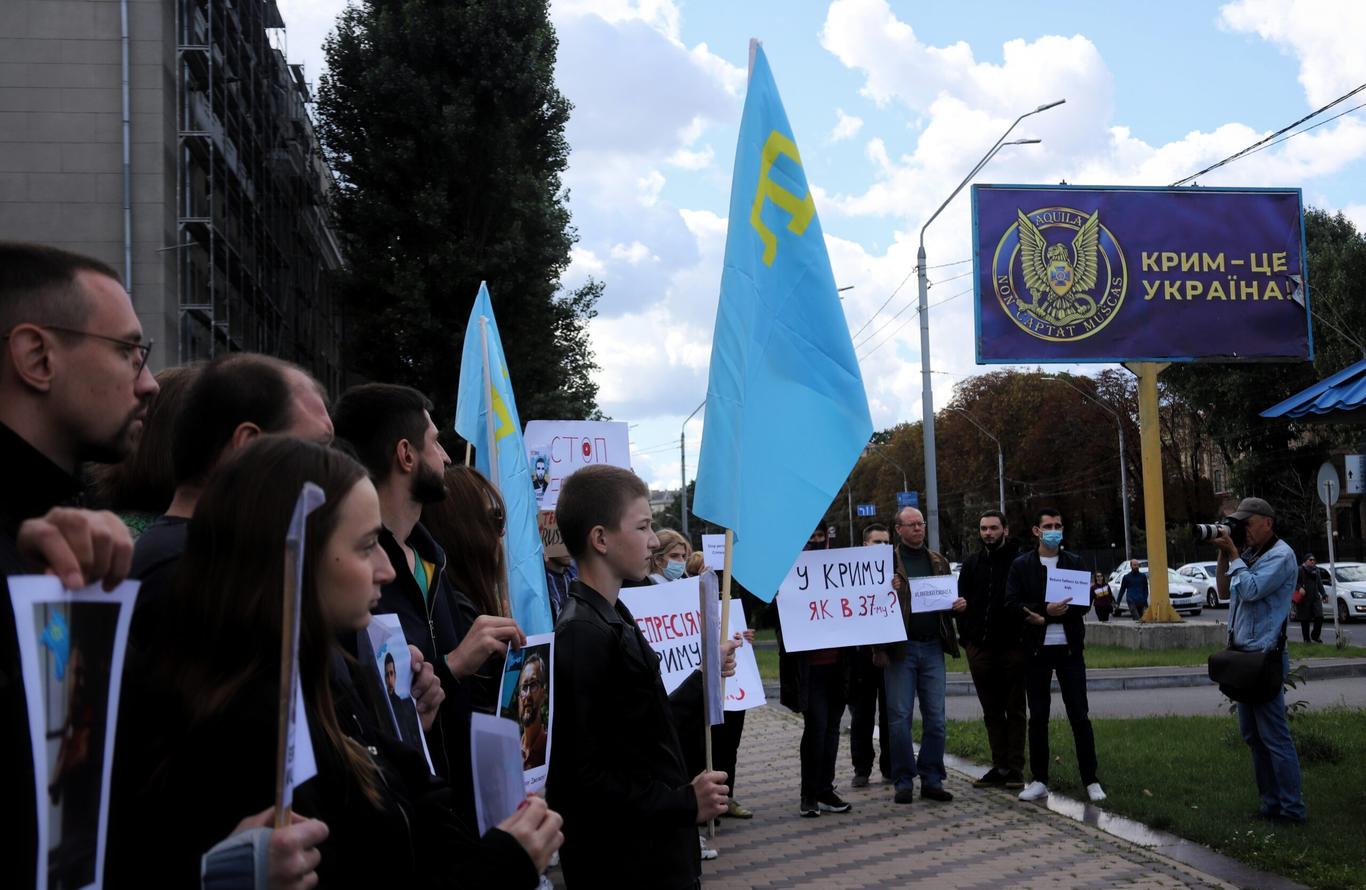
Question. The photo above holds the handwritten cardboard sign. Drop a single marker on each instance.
(840, 597)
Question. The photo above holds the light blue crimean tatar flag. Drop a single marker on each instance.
(787, 415)
(486, 415)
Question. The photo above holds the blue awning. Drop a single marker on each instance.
(1341, 397)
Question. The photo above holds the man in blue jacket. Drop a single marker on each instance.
(1133, 591)
(1258, 583)
(1054, 638)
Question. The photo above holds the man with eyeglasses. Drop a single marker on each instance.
(532, 696)
(915, 669)
(74, 387)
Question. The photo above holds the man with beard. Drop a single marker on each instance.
(993, 637)
(532, 692)
(390, 429)
(74, 386)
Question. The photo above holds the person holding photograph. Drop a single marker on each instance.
(211, 756)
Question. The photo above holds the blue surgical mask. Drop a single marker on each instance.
(673, 570)
(1052, 538)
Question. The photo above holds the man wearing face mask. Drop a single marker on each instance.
(993, 638)
(1053, 637)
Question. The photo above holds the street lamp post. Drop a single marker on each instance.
(927, 394)
(683, 466)
(1000, 455)
(879, 452)
(1123, 469)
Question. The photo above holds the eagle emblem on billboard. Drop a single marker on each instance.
(1061, 289)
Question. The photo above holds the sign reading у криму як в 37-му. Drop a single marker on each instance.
(1110, 274)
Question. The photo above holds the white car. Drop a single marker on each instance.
(1184, 596)
(1201, 576)
(1351, 577)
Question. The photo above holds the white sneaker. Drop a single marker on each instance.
(708, 853)
(1034, 791)
(1095, 792)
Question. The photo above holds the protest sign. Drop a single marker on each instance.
(671, 620)
(527, 697)
(714, 552)
(556, 448)
(840, 597)
(294, 761)
(551, 540)
(71, 651)
(1068, 583)
(394, 671)
(496, 766)
(933, 594)
(745, 690)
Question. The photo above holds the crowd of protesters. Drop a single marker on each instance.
(186, 482)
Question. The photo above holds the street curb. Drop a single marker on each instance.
(1107, 679)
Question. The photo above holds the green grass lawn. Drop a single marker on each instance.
(1192, 776)
(1110, 656)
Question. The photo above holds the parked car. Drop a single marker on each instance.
(1201, 576)
(1184, 595)
(1351, 599)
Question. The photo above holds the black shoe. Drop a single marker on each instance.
(993, 778)
(808, 808)
(904, 795)
(1014, 780)
(939, 794)
(1283, 819)
(830, 802)
(860, 781)
(1265, 815)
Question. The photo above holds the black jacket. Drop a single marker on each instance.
(30, 486)
(982, 582)
(431, 625)
(206, 777)
(938, 566)
(1025, 590)
(617, 773)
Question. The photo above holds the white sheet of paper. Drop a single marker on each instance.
(714, 552)
(745, 690)
(670, 617)
(509, 703)
(54, 625)
(496, 763)
(933, 594)
(1064, 583)
(840, 597)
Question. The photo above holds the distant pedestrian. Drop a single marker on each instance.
(1104, 601)
(1133, 591)
(868, 699)
(1309, 606)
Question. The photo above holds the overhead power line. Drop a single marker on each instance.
(1275, 139)
(898, 288)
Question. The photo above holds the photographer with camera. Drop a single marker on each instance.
(1257, 572)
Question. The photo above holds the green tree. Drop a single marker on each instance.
(446, 132)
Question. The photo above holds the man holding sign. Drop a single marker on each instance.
(1047, 587)
(915, 668)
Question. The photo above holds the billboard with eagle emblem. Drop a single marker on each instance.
(1111, 274)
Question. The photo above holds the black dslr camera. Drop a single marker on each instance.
(1236, 529)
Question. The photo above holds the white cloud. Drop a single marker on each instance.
(634, 253)
(1325, 35)
(1357, 214)
(846, 126)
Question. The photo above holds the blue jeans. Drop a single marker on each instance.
(1274, 761)
(919, 674)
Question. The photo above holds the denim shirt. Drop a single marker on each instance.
(1259, 597)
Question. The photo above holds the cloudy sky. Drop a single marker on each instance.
(892, 103)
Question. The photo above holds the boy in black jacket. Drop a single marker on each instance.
(617, 773)
(1053, 637)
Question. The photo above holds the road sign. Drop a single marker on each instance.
(908, 499)
(1356, 469)
(1328, 485)
(867, 509)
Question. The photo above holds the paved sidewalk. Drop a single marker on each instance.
(983, 839)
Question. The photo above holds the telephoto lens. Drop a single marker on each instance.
(1206, 532)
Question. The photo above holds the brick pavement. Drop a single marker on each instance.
(982, 839)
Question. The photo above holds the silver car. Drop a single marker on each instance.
(1201, 576)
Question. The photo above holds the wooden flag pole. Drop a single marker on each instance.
(490, 421)
(283, 813)
(706, 723)
(468, 448)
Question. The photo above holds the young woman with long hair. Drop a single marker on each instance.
(210, 757)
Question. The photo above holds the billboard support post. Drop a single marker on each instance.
(1154, 506)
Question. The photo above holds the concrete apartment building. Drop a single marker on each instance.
(169, 138)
